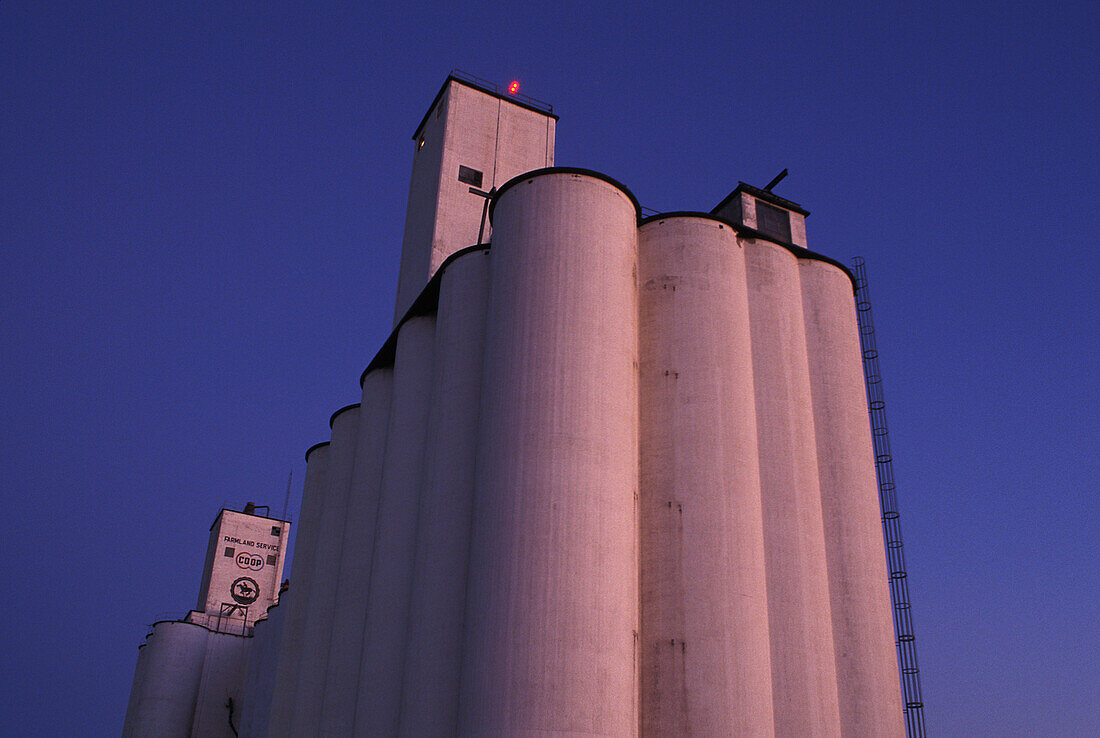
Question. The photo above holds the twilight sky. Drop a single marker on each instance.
(201, 211)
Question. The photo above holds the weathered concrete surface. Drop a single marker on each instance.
(183, 677)
(705, 662)
(552, 602)
(166, 682)
(799, 620)
(223, 672)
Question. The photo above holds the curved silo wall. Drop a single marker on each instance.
(259, 682)
(173, 657)
(433, 654)
(133, 704)
(296, 599)
(345, 648)
(323, 573)
(379, 690)
(704, 655)
(552, 596)
(868, 688)
(222, 680)
(803, 670)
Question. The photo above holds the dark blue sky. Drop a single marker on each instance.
(201, 212)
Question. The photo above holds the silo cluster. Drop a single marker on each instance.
(608, 476)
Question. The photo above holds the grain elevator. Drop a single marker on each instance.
(609, 475)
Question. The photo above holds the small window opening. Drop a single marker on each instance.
(270, 559)
(274, 530)
(229, 551)
(469, 176)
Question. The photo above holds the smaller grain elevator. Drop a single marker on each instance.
(191, 671)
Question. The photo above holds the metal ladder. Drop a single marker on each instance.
(891, 525)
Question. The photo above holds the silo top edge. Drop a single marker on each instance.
(424, 304)
(743, 230)
(314, 447)
(688, 214)
(564, 170)
(332, 420)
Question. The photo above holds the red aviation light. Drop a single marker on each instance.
(514, 87)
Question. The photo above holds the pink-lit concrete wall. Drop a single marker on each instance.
(607, 479)
(866, 668)
(705, 661)
(552, 599)
(799, 614)
(433, 657)
(378, 701)
(465, 127)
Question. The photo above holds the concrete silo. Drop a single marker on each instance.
(609, 476)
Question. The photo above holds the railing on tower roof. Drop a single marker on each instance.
(495, 89)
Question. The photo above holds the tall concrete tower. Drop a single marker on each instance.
(473, 137)
(608, 476)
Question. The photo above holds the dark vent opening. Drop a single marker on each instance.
(773, 221)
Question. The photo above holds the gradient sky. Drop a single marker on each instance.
(201, 210)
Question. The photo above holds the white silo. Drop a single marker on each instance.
(552, 601)
(704, 658)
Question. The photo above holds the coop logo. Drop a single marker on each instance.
(244, 590)
(247, 560)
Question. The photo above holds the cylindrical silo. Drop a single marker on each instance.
(800, 626)
(259, 683)
(345, 648)
(863, 633)
(552, 603)
(704, 659)
(223, 673)
(325, 565)
(379, 692)
(173, 657)
(434, 650)
(296, 599)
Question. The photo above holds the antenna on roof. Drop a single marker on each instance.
(778, 178)
(286, 501)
